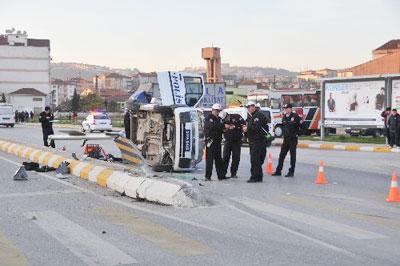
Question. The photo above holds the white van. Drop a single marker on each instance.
(169, 131)
(7, 116)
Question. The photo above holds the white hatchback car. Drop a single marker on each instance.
(97, 122)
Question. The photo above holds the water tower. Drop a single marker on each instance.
(213, 57)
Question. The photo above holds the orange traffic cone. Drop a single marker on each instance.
(268, 168)
(394, 190)
(321, 180)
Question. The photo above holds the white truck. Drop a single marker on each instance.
(169, 130)
(7, 116)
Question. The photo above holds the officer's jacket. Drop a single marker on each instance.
(235, 134)
(386, 117)
(47, 126)
(291, 125)
(213, 127)
(257, 126)
(394, 123)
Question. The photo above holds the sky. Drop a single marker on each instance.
(155, 35)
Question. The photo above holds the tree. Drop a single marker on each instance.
(65, 106)
(91, 101)
(112, 106)
(3, 98)
(75, 102)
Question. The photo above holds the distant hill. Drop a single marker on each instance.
(64, 70)
(247, 72)
(73, 70)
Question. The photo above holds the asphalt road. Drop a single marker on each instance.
(50, 221)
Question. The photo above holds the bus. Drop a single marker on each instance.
(306, 103)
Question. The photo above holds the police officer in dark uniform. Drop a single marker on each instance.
(127, 124)
(233, 142)
(256, 129)
(291, 127)
(46, 119)
(213, 127)
(394, 129)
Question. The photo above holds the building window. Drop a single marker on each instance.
(37, 99)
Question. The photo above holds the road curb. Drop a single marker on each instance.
(342, 147)
(171, 192)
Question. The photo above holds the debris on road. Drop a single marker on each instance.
(63, 168)
(30, 166)
(21, 174)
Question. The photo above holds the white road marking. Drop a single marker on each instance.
(317, 222)
(84, 244)
(288, 230)
(180, 220)
(123, 203)
(39, 193)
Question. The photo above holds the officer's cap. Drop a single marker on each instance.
(216, 106)
(287, 106)
(258, 105)
(250, 103)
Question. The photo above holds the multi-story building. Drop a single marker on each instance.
(81, 84)
(63, 90)
(148, 78)
(25, 68)
(314, 75)
(385, 60)
(112, 81)
(388, 48)
(230, 80)
(248, 86)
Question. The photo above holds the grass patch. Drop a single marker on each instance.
(347, 139)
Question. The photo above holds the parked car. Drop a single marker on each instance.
(97, 122)
(7, 116)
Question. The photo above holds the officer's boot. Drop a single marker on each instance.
(290, 173)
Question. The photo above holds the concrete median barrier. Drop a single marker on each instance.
(158, 190)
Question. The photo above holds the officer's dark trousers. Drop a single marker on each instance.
(232, 147)
(258, 150)
(394, 138)
(128, 131)
(46, 135)
(289, 144)
(387, 133)
(213, 154)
